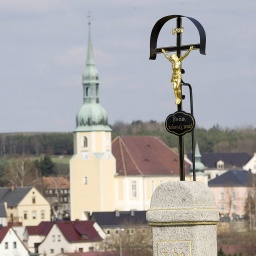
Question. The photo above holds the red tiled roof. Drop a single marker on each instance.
(55, 182)
(75, 231)
(42, 229)
(145, 155)
(3, 232)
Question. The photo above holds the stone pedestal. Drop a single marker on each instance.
(183, 216)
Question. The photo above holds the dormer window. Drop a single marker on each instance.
(84, 236)
(220, 165)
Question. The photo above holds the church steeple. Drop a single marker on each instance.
(90, 77)
(199, 166)
(91, 116)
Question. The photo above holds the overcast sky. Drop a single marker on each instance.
(43, 54)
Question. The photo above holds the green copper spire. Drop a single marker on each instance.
(92, 116)
(199, 166)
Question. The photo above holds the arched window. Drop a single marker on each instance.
(85, 142)
(87, 91)
(134, 188)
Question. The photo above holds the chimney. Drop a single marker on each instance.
(12, 187)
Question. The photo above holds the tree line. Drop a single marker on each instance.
(214, 139)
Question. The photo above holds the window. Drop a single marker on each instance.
(14, 245)
(222, 208)
(52, 250)
(50, 191)
(59, 238)
(33, 200)
(233, 195)
(53, 238)
(221, 195)
(25, 215)
(62, 250)
(134, 188)
(234, 207)
(85, 180)
(42, 214)
(80, 249)
(46, 191)
(33, 215)
(91, 249)
(6, 245)
(152, 186)
(85, 142)
(220, 165)
(108, 232)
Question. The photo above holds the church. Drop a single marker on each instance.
(119, 175)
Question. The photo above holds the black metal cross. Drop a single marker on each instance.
(178, 49)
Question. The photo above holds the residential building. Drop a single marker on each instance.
(3, 215)
(121, 176)
(34, 235)
(251, 164)
(126, 231)
(68, 236)
(219, 163)
(56, 192)
(10, 244)
(24, 205)
(231, 191)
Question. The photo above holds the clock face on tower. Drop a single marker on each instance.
(85, 156)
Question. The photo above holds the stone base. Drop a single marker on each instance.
(184, 219)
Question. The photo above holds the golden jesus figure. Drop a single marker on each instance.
(176, 75)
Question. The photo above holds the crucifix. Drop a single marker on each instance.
(176, 59)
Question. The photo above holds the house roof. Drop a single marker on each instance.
(55, 183)
(13, 196)
(3, 213)
(233, 178)
(42, 228)
(3, 232)
(145, 155)
(75, 231)
(231, 160)
(116, 218)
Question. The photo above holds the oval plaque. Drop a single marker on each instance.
(180, 123)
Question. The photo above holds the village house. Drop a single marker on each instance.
(24, 205)
(231, 191)
(68, 236)
(219, 163)
(56, 192)
(10, 243)
(56, 237)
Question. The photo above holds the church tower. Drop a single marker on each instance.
(92, 167)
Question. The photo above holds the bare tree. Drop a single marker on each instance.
(20, 171)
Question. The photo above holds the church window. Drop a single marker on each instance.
(85, 156)
(134, 188)
(87, 91)
(85, 143)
